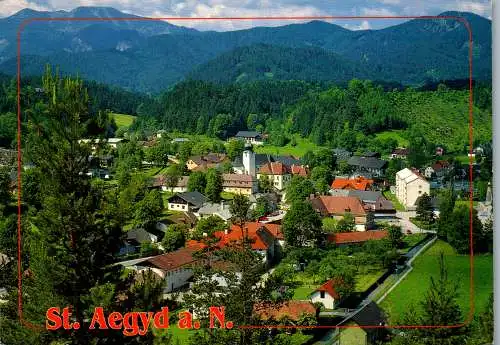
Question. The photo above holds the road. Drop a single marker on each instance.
(406, 224)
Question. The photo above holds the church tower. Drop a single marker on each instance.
(249, 160)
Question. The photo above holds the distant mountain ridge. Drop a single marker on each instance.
(153, 55)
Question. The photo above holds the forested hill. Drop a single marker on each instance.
(262, 61)
(151, 57)
(330, 116)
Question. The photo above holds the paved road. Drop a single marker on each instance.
(406, 224)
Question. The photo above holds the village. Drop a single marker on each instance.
(359, 209)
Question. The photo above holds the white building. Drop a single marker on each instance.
(250, 137)
(249, 161)
(410, 185)
(326, 295)
(279, 174)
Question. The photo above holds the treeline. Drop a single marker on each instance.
(329, 115)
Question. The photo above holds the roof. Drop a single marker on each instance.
(341, 153)
(139, 235)
(222, 210)
(329, 287)
(440, 165)
(357, 236)
(291, 309)
(287, 160)
(261, 235)
(371, 154)
(160, 180)
(365, 195)
(408, 175)
(338, 205)
(299, 170)
(194, 198)
(367, 162)
(237, 180)
(274, 168)
(359, 183)
(248, 134)
(370, 315)
(400, 151)
(173, 260)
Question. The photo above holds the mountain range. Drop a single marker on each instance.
(149, 56)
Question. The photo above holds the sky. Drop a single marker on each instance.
(258, 8)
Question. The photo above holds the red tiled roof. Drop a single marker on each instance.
(274, 168)
(173, 260)
(338, 205)
(290, 309)
(299, 170)
(359, 183)
(329, 287)
(440, 165)
(260, 235)
(357, 236)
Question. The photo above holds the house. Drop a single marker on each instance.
(279, 174)
(287, 160)
(326, 294)
(202, 163)
(291, 310)
(360, 183)
(410, 185)
(374, 202)
(438, 169)
(372, 165)
(189, 201)
(399, 153)
(239, 184)
(439, 151)
(112, 142)
(220, 210)
(349, 238)
(265, 239)
(337, 206)
(160, 182)
(175, 267)
(365, 327)
(250, 137)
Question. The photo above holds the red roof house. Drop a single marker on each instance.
(359, 183)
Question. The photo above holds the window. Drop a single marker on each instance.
(322, 294)
(183, 207)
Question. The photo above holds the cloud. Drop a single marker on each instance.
(365, 25)
(390, 2)
(379, 12)
(481, 8)
(9, 7)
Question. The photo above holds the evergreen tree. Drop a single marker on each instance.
(424, 208)
(214, 185)
(197, 182)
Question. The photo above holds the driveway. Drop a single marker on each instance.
(406, 224)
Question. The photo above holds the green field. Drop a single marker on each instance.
(123, 120)
(413, 288)
(394, 134)
(299, 150)
(392, 198)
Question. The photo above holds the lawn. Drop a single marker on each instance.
(413, 288)
(392, 198)
(123, 120)
(410, 241)
(459, 203)
(423, 224)
(299, 150)
(394, 134)
(303, 292)
(227, 195)
(365, 280)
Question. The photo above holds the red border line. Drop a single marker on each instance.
(25, 22)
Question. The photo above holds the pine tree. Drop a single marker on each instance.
(214, 185)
